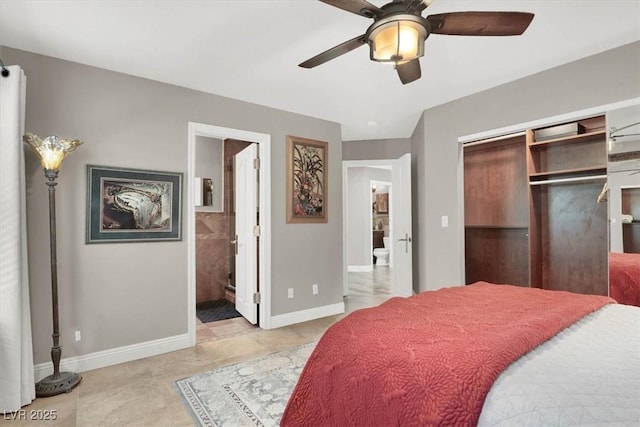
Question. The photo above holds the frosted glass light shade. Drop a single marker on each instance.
(397, 41)
(51, 150)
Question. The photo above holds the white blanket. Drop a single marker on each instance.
(588, 374)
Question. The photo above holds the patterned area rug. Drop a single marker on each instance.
(251, 393)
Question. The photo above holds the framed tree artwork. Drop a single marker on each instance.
(307, 192)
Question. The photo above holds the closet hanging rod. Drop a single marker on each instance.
(562, 180)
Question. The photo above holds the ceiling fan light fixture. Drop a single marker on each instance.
(398, 38)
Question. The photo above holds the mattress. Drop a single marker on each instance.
(588, 374)
(432, 359)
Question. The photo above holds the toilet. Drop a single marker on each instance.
(382, 254)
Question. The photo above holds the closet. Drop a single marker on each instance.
(532, 215)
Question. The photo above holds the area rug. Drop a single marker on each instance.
(210, 311)
(251, 393)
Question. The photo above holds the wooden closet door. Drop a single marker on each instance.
(496, 212)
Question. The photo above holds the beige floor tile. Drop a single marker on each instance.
(99, 380)
(61, 410)
(126, 405)
(142, 392)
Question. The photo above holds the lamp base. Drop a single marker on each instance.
(63, 383)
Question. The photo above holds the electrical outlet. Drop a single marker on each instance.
(290, 293)
(78, 336)
(445, 221)
(314, 288)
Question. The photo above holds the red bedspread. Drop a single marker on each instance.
(429, 359)
(624, 278)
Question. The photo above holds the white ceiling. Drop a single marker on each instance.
(249, 50)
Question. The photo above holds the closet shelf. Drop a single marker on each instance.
(584, 171)
(569, 139)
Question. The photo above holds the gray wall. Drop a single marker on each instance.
(601, 79)
(375, 149)
(120, 294)
(359, 229)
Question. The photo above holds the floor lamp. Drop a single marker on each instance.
(51, 151)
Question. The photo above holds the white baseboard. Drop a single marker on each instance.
(114, 356)
(359, 268)
(306, 315)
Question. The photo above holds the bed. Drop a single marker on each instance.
(482, 354)
(624, 278)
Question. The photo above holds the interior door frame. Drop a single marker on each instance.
(264, 258)
(346, 164)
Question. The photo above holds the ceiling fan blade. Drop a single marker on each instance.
(480, 23)
(334, 52)
(409, 71)
(416, 6)
(359, 7)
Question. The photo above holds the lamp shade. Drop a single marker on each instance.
(51, 150)
(397, 40)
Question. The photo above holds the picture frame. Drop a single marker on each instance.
(382, 203)
(307, 192)
(132, 205)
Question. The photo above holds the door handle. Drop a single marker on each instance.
(234, 242)
(406, 240)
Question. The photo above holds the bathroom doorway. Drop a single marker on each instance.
(216, 244)
(382, 256)
(212, 239)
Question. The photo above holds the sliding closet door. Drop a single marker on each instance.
(496, 211)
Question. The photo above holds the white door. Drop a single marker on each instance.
(245, 177)
(401, 226)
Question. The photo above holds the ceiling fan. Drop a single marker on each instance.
(398, 31)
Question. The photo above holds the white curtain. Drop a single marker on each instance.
(17, 386)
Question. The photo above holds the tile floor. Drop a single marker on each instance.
(141, 393)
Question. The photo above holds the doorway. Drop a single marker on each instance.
(262, 260)
(357, 240)
(216, 243)
(381, 219)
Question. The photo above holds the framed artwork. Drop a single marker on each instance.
(382, 203)
(307, 192)
(128, 205)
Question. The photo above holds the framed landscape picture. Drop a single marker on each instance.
(128, 205)
(307, 192)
